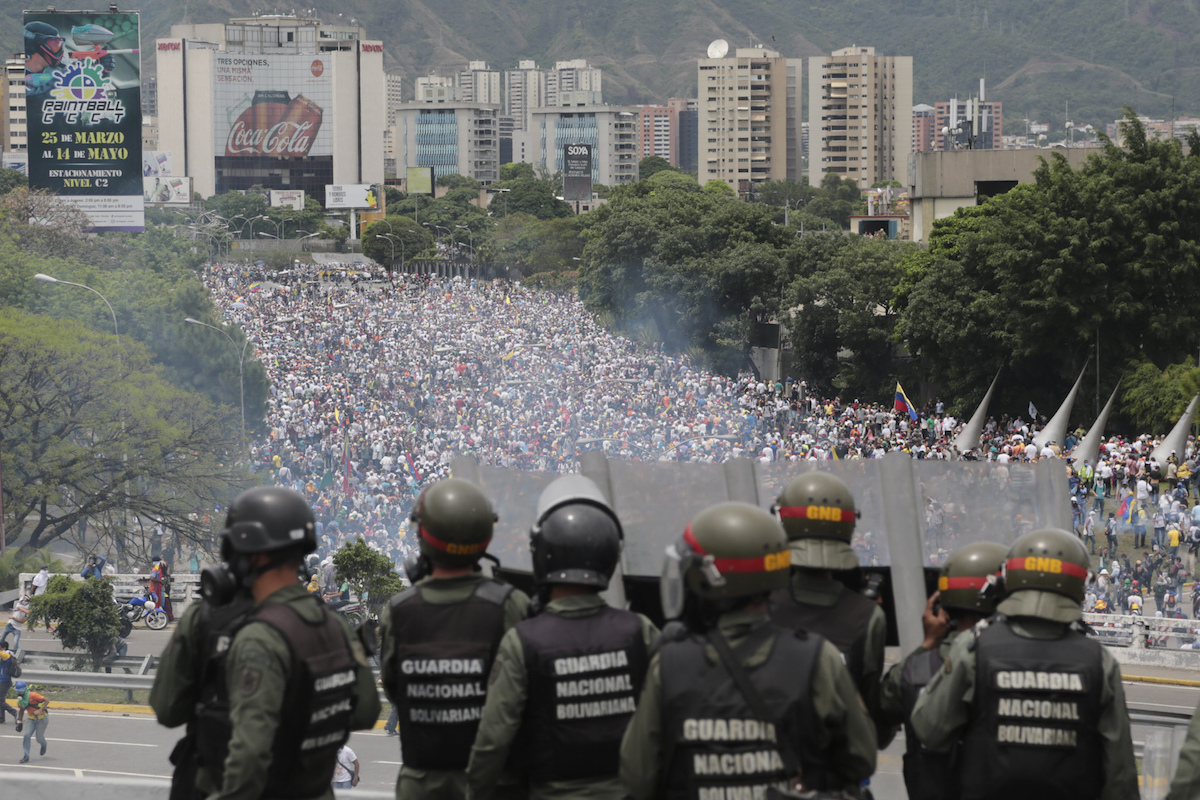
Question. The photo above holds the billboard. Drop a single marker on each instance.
(157, 163)
(577, 172)
(83, 90)
(17, 161)
(288, 198)
(167, 190)
(351, 195)
(419, 180)
(271, 106)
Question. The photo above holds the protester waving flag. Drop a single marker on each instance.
(904, 404)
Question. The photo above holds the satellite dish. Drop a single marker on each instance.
(718, 48)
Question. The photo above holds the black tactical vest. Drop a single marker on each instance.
(1032, 733)
(585, 677)
(444, 653)
(715, 744)
(844, 624)
(927, 775)
(216, 627)
(318, 703)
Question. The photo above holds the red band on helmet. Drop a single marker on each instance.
(768, 563)
(1043, 564)
(450, 548)
(821, 513)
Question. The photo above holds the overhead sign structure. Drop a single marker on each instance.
(167, 190)
(288, 198)
(272, 105)
(577, 172)
(352, 195)
(83, 101)
(419, 180)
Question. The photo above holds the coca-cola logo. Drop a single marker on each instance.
(283, 139)
(372, 48)
(169, 46)
(318, 68)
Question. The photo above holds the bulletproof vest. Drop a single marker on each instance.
(444, 653)
(216, 627)
(318, 703)
(927, 775)
(1033, 729)
(844, 624)
(716, 746)
(585, 677)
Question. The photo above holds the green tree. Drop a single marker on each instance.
(89, 432)
(719, 188)
(237, 209)
(516, 171)
(1154, 399)
(408, 239)
(12, 179)
(672, 179)
(83, 612)
(18, 560)
(531, 196)
(453, 180)
(652, 165)
(370, 573)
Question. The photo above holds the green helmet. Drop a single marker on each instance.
(728, 550)
(817, 511)
(1045, 576)
(967, 574)
(454, 522)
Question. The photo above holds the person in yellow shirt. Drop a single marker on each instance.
(1173, 536)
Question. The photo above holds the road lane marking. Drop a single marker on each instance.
(86, 770)
(85, 741)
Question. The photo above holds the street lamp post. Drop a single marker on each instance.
(505, 193)
(241, 364)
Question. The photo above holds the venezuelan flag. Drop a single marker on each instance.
(254, 287)
(904, 404)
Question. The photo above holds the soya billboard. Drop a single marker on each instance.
(83, 100)
(272, 106)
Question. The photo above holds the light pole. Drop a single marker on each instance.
(505, 193)
(42, 277)
(306, 236)
(241, 364)
(390, 241)
(470, 234)
(393, 238)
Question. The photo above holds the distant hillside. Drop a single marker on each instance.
(1038, 55)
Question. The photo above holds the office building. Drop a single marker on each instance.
(279, 101)
(654, 125)
(14, 134)
(610, 130)
(683, 132)
(860, 116)
(748, 119)
(968, 125)
(451, 137)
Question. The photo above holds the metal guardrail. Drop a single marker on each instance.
(87, 680)
(40, 785)
(1145, 633)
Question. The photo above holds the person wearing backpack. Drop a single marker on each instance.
(36, 706)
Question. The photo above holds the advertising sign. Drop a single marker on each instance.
(288, 198)
(419, 180)
(156, 163)
(351, 195)
(167, 190)
(272, 105)
(577, 172)
(17, 161)
(83, 100)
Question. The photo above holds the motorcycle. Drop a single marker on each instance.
(354, 611)
(142, 608)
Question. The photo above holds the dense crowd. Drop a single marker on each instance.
(377, 383)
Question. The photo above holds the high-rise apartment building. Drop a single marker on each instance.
(150, 97)
(654, 125)
(922, 136)
(968, 125)
(14, 133)
(394, 94)
(478, 84)
(860, 116)
(683, 132)
(749, 118)
(453, 137)
(573, 83)
(524, 90)
(435, 89)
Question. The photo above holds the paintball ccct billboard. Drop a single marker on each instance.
(272, 106)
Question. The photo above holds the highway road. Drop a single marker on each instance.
(134, 745)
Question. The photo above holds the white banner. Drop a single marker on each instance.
(288, 198)
(167, 190)
(351, 195)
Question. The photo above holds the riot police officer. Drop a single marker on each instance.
(440, 637)
(817, 511)
(566, 681)
(1036, 708)
(269, 681)
(733, 704)
(968, 588)
(1186, 783)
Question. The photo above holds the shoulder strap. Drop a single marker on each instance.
(790, 762)
(494, 592)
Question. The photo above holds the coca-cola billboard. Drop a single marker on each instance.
(271, 106)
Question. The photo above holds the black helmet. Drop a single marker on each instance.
(729, 550)
(268, 518)
(454, 522)
(577, 536)
(1045, 576)
(37, 42)
(817, 511)
(970, 579)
